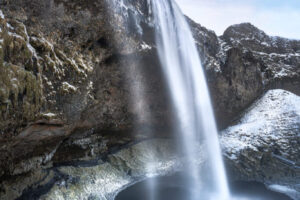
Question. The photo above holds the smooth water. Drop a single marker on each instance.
(174, 188)
(190, 97)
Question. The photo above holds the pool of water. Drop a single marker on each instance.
(175, 188)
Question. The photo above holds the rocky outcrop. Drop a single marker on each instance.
(264, 145)
(278, 57)
(80, 79)
(243, 64)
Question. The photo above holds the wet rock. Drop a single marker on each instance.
(32, 149)
(102, 178)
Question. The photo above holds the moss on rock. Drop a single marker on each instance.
(20, 95)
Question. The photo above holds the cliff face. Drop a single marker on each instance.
(78, 78)
(243, 64)
(81, 78)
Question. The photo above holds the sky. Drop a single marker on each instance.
(275, 17)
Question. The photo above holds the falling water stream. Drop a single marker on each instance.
(190, 97)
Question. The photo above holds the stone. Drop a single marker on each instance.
(264, 144)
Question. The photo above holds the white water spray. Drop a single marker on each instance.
(189, 92)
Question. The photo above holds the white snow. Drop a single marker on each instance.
(265, 121)
(145, 46)
(265, 44)
(31, 49)
(14, 35)
(10, 26)
(286, 190)
(90, 85)
(67, 87)
(274, 102)
(277, 55)
(281, 188)
(1, 15)
(282, 73)
(274, 120)
(261, 53)
(49, 114)
(28, 44)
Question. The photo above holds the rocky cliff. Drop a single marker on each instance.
(244, 63)
(80, 79)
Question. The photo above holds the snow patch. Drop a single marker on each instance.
(1, 15)
(50, 115)
(145, 46)
(265, 44)
(27, 42)
(272, 121)
(10, 26)
(269, 121)
(14, 35)
(31, 49)
(285, 190)
(280, 188)
(68, 88)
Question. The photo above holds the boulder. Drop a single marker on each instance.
(264, 145)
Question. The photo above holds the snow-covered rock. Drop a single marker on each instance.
(265, 144)
(278, 56)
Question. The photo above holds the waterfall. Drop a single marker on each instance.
(191, 101)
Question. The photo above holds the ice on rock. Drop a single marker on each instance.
(267, 120)
(285, 189)
(10, 26)
(68, 88)
(145, 46)
(268, 130)
(1, 15)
